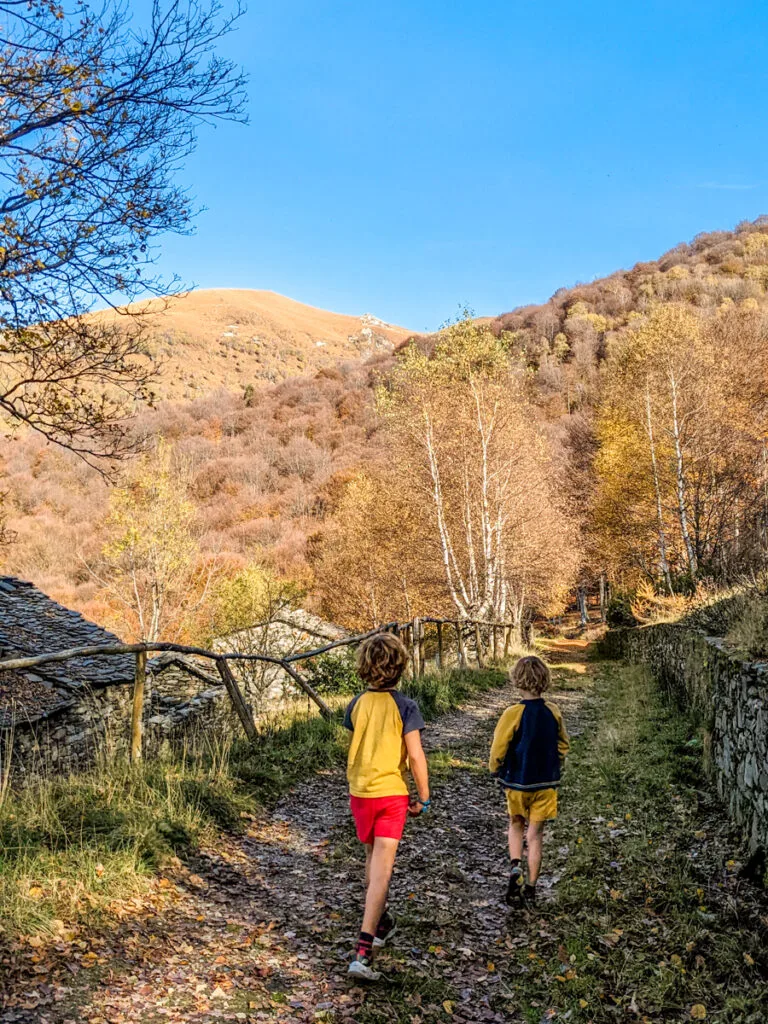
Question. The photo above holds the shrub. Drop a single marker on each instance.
(335, 673)
(749, 632)
(619, 611)
(648, 606)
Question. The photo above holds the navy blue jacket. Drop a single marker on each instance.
(529, 745)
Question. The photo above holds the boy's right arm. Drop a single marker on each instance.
(502, 736)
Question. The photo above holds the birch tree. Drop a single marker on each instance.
(681, 428)
(478, 471)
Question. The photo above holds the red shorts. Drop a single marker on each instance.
(379, 816)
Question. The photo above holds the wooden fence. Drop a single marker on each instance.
(411, 633)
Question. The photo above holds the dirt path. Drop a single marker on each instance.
(645, 914)
(263, 930)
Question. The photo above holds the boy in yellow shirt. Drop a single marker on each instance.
(527, 755)
(386, 740)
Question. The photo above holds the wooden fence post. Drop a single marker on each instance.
(440, 646)
(137, 711)
(238, 701)
(460, 645)
(494, 642)
(422, 659)
(310, 691)
(415, 647)
(479, 643)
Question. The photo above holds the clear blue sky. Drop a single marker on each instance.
(404, 158)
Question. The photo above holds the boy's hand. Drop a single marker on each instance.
(417, 807)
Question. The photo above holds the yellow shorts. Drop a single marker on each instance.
(533, 805)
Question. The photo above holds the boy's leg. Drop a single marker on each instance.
(379, 873)
(516, 878)
(535, 835)
(516, 834)
(368, 856)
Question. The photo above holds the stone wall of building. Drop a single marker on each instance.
(729, 699)
(179, 708)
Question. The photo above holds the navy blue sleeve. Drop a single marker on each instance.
(348, 714)
(409, 712)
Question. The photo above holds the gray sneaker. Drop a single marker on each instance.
(361, 968)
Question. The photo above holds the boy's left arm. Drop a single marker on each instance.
(417, 762)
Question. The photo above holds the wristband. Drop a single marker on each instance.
(425, 805)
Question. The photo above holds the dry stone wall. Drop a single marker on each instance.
(181, 705)
(728, 697)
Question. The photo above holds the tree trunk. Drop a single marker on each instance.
(680, 478)
(582, 597)
(603, 598)
(137, 710)
(479, 643)
(440, 646)
(460, 645)
(507, 639)
(663, 561)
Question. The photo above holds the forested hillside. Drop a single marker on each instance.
(617, 430)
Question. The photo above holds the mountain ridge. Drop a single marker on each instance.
(214, 338)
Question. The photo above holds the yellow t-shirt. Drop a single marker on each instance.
(378, 720)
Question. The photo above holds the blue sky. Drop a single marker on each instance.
(408, 158)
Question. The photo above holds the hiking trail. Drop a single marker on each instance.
(262, 929)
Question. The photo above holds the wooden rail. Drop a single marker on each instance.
(412, 634)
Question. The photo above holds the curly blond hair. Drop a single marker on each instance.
(530, 674)
(381, 660)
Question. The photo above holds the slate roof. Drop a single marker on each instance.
(33, 623)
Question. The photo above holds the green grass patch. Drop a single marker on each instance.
(71, 846)
(439, 693)
(646, 925)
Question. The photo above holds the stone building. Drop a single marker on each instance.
(61, 714)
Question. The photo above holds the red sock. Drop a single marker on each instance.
(365, 945)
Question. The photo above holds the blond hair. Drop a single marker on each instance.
(530, 674)
(381, 660)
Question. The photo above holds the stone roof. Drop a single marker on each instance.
(288, 624)
(32, 623)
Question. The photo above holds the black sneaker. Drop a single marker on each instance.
(529, 896)
(515, 887)
(385, 931)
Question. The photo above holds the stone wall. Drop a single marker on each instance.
(728, 698)
(180, 707)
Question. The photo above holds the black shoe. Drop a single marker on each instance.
(386, 929)
(529, 896)
(515, 887)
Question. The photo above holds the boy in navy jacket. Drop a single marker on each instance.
(527, 755)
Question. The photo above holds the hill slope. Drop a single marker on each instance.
(265, 475)
(227, 338)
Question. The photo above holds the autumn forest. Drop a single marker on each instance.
(612, 438)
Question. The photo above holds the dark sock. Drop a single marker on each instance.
(515, 862)
(365, 945)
